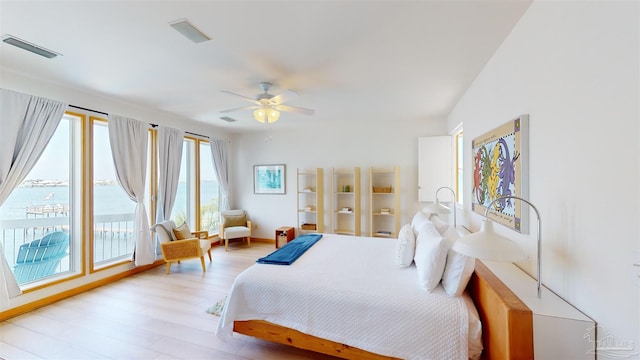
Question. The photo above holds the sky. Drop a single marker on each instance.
(53, 166)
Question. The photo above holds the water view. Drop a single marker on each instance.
(38, 208)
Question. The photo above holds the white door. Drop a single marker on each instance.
(435, 167)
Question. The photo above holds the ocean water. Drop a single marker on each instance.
(108, 199)
(112, 236)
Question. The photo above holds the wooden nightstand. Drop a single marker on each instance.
(284, 234)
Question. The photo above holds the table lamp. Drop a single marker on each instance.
(438, 208)
(488, 245)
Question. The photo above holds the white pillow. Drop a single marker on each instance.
(458, 269)
(457, 272)
(440, 224)
(430, 257)
(449, 233)
(406, 246)
(475, 330)
(418, 220)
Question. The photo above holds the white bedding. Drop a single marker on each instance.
(349, 290)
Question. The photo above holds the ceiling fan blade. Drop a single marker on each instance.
(295, 109)
(241, 108)
(283, 98)
(242, 96)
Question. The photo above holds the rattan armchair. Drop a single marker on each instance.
(175, 250)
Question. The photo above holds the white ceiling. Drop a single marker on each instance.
(369, 61)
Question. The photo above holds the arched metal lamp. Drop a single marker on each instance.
(438, 208)
(488, 245)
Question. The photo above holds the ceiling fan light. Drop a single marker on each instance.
(260, 115)
(273, 115)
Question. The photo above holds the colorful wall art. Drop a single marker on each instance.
(500, 168)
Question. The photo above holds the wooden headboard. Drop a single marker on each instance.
(507, 325)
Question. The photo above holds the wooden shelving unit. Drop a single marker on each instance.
(384, 201)
(346, 201)
(310, 185)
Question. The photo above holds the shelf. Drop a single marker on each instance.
(384, 193)
(310, 195)
(346, 186)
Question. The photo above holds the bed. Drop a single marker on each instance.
(357, 304)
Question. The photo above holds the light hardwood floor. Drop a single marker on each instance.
(146, 316)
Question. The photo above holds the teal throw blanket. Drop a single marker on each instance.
(289, 253)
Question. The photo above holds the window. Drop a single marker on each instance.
(209, 191)
(459, 167)
(47, 205)
(184, 206)
(52, 199)
(113, 210)
(197, 182)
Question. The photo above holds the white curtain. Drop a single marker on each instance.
(129, 142)
(26, 126)
(220, 164)
(170, 142)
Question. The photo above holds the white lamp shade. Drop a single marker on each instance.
(273, 115)
(266, 114)
(436, 208)
(260, 115)
(486, 244)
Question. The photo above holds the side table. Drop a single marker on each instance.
(284, 234)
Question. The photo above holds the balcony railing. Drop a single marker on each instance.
(112, 237)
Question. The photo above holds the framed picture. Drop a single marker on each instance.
(500, 168)
(269, 179)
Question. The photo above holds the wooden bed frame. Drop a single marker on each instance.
(507, 325)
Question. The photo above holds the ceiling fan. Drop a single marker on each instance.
(268, 106)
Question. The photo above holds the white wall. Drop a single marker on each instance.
(574, 68)
(347, 146)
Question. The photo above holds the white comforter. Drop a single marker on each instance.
(348, 289)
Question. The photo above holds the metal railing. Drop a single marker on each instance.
(112, 236)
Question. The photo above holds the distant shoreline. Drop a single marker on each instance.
(58, 183)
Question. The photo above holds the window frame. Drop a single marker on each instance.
(149, 186)
(77, 226)
(458, 145)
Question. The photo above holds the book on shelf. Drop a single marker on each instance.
(383, 233)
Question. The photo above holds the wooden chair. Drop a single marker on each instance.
(175, 250)
(41, 258)
(235, 224)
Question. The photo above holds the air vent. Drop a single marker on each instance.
(228, 119)
(184, 27)
(25, 45)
